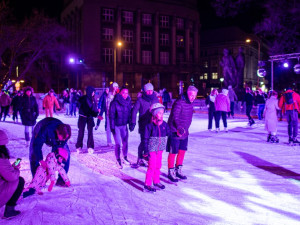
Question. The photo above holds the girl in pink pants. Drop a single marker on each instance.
(156, 135)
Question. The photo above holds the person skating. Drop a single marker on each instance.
(16, 106)
(87, 112)
(232, 97)
(156, 135)
(270, 115)
(222, 104)
(5, 101)
(29, 112)
(48, 103)
(249, 104)
(166, 99)
(290, 105)
(210, 103)
(119, 117)
(260, 101)
(54, 133)
(142, 107)
(102, 108)
(11, 184)
(179, 121)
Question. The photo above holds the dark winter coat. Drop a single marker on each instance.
(156, 137)
(45, 133)
(16, 103)
(66, 99)
(248, 99)
(211, 104)
(166, 97)
(88, 105)
(142, 106)
(102, 103)
(119, 111)
(74, 97)
(29, 110)
(181, 115)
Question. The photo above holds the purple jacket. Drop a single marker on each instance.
(222, 103)
(9, 180)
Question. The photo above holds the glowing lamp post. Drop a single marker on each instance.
(221, 80)
(248, 40)
(119, 45)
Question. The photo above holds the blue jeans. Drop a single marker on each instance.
(260, 110)
(73, 109)
(121, 137)
(67, 108)
(231, 109)
(292, 119)
(27, 132)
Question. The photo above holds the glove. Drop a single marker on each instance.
(68, 184)
(51, 186)
(131, 127)
(43, 108)
(100, 117)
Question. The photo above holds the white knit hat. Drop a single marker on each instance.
(3, 138)
(148, 87)
(225, 91)
(192, 88)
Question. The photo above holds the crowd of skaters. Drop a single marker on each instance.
(120, 115)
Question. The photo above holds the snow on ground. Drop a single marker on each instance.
(233, 178)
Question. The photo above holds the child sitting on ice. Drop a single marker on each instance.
(47, 170)
(156, 134)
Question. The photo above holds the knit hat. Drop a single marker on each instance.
(154, 108)
(3, 138)
(63, 153)
(225, 91)
(192, 88)
(114, 84)
(148, 87)
(229, 87)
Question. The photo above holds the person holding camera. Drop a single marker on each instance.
(11, 184)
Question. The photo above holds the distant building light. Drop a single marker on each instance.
(71, 60)
(285, 65)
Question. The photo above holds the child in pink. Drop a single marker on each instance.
(156, 135)
(46, 171)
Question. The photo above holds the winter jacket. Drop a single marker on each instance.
(296, 99)
(47, 171)
(259, 99)
(5, 100)
(232, 96)
(102, 103)
(270, 114)
(142, 107)
(45, 133)
(119, 111)
(9, 180)
(210, 103)
(156, 137)
(16, 102)
(66, 99)
(222, 103)
(29, 110)
(248, 98)
(49, 101)
(74, 97)
(166, 97)
(181, 115)
(88, 105)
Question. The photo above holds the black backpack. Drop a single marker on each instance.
(289, 98)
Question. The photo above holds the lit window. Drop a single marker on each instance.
(164, 21)
(127, 17)
(179, 23)
(108, 15)
(146, 57)
(128, 56)
(164, 39)
(128, 35)
(146, 37)
(201, 77)
(108, 34)
(205, 76)
(107, 55)
(214, 76)
(147, 19)
(164, 58)
(179, 40)
(205, 64)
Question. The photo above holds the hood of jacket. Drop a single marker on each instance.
(121, 100)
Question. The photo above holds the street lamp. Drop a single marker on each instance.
(119, 45)
(221, 80)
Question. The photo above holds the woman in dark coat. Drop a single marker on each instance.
(29, 111)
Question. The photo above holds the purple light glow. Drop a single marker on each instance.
(72, 60)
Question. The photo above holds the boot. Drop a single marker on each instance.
(295, 141)
(172, 176)
(10, 212)
(275, 139)
(149, 189)
(179, 173)
(291, 140)
(159, 185)
(269, 137)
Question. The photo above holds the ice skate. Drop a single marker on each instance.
(274, 139)
(179, 173)
(171, 175)
(126, 161)
(159, 186)
(217, 130)
(149, 189)
(269, 137)
(295, 141)
(119, 164)
(10, 212)
(90, 150)
(79, 150)
(226, 129)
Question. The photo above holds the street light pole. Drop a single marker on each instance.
(258, 54)
(119, 44)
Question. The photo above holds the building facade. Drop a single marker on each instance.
(160, 42)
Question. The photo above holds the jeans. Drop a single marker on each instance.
(15, 114)
(211, 115)
(27, 132)
(260, 110)
(108, 131)
(14, 198)
(4, 109)
(292, 119)
(248, 112)
(231, 109)
(218, 117)
(73, 109)
(82, 121)
(67, 108)
(121, 137)
(153, 171)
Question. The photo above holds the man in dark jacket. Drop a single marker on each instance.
(142, 106)
(166, 99)
(87, 112)
(179, 121)
(54, 133)
(102, 108)
(249, 104)
(119, 117)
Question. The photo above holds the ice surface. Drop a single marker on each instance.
(233, 178)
